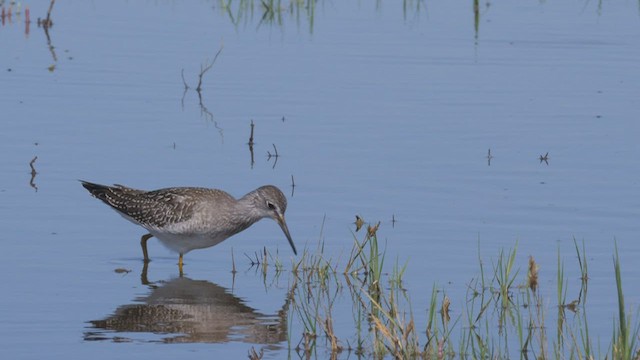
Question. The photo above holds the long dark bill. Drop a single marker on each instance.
(285, 229)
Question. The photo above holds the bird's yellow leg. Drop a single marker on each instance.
(180, 264)
(143, 243)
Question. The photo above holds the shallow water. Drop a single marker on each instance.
(375, 109)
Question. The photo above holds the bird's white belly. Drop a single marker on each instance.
(182, 244)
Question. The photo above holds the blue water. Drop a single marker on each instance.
(374, 110)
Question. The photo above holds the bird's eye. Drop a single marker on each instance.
(270, 205)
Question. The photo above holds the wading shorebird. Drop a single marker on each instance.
(189, 218)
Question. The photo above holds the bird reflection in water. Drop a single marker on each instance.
(183, 310)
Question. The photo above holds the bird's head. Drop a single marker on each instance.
(272, 203)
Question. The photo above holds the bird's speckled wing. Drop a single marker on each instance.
(157, 208)
(151, 209)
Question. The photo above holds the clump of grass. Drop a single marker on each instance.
(501, 314)
(313, 292)
(392, 326)
(504, 276)
(394, 330)
(269, 12)
(624, 338)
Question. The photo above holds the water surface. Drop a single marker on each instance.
(377, 109)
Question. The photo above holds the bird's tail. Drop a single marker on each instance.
(97, 190)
